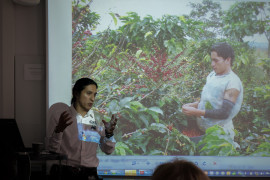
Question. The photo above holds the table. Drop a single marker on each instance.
(25, 159)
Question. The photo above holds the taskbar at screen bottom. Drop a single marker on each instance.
(219, 166)
(212, 173)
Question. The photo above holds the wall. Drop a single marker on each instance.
(1, 70)
(22, 79)
(7, 59)
(59, 51)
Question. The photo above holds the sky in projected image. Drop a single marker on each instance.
(155, 8)
(155, 60)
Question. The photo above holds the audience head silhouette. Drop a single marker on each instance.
(179, 170)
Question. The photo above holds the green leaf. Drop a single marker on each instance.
(206, 58)
(156, 109)
(154, 115)
(144, 118)
(147, 34)
(138, 53)
(125, 101)
(159, 127)
(114, 18)
(114, 107)
(155, 152)
(136, 104)
(182, 18)
(208, 105)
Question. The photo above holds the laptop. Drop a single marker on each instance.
(10, 136)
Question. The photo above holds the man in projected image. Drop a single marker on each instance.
(74, 132)
(222, 94)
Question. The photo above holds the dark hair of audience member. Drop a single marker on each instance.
(179, 170)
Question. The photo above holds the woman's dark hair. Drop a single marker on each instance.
(79, 86)
(224, 50)
(179, 170)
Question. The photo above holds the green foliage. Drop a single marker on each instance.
(265, 64)
(263, 93)
(83, 20)
(122, 149)
(143, 33)
(208, 14)
(262, 150)
(158, 139)
(216, 142)
(264, 147)
(208, 105)
(246, 19)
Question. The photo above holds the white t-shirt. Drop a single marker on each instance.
(213, 92)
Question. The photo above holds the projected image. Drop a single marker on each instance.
(150, 58)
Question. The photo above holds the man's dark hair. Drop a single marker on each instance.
(224, 50)
(79, 86)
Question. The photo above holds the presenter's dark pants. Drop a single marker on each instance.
(64, 172)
